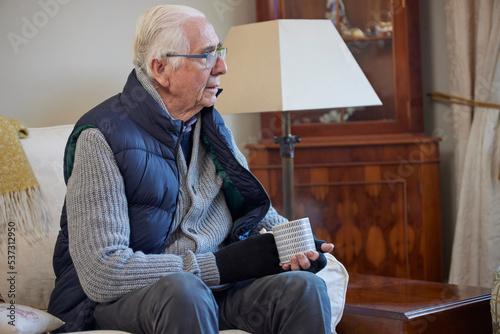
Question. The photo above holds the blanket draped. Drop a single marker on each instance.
(22, 205)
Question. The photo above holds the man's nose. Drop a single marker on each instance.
(220, 67)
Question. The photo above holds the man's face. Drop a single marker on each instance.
(192, 86)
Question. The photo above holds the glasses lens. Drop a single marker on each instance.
(222, 53)
(212, 57)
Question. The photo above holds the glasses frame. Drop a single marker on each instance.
(220, 52)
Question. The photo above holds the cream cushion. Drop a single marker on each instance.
(35, 277)
(232, 331)
(22, 319)
(336, 278)
(44, 148)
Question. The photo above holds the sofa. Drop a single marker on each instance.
(30, 286)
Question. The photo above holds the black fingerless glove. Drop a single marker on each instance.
(253, 257)
(321, 262)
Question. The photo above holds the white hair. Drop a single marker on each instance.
(159, 31)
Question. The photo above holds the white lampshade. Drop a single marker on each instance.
(290, 65)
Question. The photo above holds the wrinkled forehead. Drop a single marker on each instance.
(201, 35)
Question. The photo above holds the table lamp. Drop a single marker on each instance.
(290, 65)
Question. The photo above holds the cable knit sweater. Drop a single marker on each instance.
(99, 230)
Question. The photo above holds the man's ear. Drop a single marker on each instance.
(160, 70)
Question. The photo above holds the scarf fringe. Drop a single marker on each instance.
(26, 211)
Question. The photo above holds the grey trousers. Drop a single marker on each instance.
(291, 302)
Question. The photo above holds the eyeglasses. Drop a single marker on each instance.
(210, 58)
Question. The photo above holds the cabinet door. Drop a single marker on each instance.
(383, 37)
(362, 214)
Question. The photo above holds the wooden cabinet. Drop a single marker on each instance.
(368, 177)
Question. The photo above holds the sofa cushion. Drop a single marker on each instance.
(336, 278)
(229, 331)
(33, 280)
(26, 320)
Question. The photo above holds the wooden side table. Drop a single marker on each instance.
(376, 304)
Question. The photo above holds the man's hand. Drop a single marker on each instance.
(303, 261)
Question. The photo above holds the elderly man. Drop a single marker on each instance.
(160, 228)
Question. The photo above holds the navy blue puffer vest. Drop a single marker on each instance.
(145, 142)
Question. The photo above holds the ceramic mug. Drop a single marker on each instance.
(292, 238)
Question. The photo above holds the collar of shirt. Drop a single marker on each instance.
(188, 125)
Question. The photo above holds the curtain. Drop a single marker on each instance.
(473, 41)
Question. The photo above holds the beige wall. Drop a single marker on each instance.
(59, 58)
